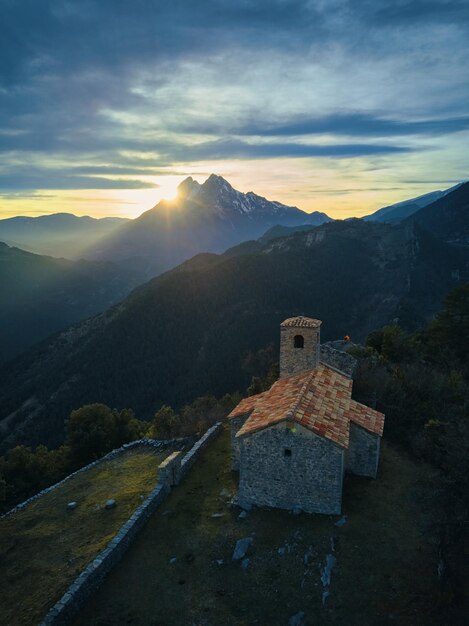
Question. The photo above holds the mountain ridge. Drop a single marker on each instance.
(188, 331)
(62, 235)
(401, 210)
(207, 217)
(448, 217)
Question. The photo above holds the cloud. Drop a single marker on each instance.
(112, 88)
(410, 12)
(236, 149)
(38, 179)
(357, 124)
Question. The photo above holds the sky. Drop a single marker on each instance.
(342, 106)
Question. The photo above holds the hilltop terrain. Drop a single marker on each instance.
(171, 576)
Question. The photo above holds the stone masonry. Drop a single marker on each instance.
(235, 425)
(288, 467)
(296, 358)
(170, 469)
(363, 452)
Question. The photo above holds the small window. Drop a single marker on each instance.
(299, 341)
(286, 452)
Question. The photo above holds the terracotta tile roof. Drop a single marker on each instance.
(245, 406)
(323, 404)
(274, 405)
(366, 417)
(318, 399)
(304, 322)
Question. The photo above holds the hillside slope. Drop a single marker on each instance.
(41, 295)
(448, 217)
(188, 331)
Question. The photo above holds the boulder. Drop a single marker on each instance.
(72, 505)
(241, 548)
(110, 504)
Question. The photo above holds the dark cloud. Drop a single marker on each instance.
(66, 64)
(35, 178)
(413, 12)
(113, 170)
(51, 35)
(357, 124)
(236, 149)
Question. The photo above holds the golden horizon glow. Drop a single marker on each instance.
(340, 189)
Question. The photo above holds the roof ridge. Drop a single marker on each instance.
(296, 405)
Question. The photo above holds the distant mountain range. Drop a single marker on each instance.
(203, 218)
(188, 331)
(399, 211)
(40, 295)
(60, 234)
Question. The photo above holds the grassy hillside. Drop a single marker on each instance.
(45, 546)
(385, 571)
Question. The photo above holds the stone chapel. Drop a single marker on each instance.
(293, 443)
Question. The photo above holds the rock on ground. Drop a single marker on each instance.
(241, 548)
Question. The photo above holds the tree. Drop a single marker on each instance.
(391, 342)
(95, 429)
(166, 423)
(450, 330)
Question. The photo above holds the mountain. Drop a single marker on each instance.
(448, 217)
(188, 331)
(41, 295)
(203, 218)
(401, 210)
(59, 234)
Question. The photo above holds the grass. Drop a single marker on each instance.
(45, 546)
(385, 571)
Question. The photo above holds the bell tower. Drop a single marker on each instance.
(300, 339)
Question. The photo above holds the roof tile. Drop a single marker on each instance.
(318, 399)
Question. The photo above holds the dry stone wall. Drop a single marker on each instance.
(92, 576)
(191, 457)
